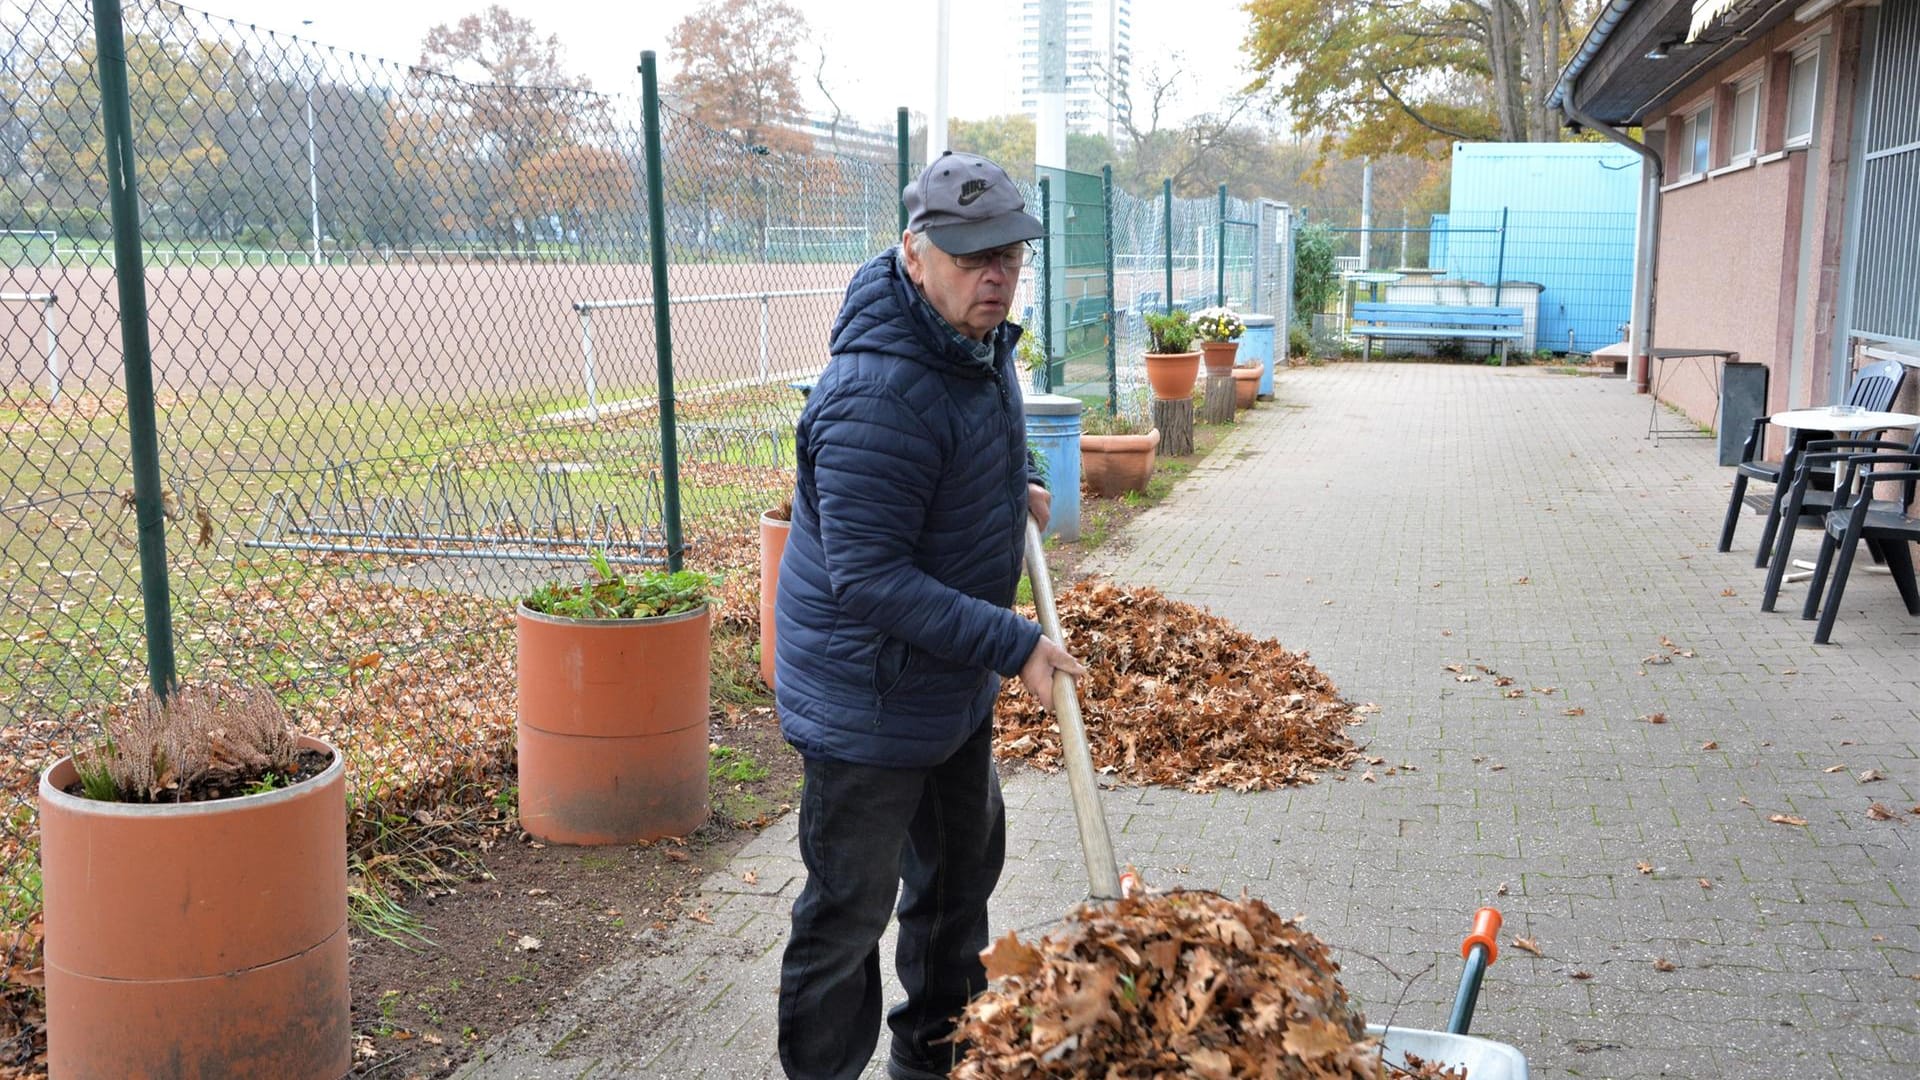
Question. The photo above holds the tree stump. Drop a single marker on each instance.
(1175, 421)
(1219, 391)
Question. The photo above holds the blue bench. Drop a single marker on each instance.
(1437, 322)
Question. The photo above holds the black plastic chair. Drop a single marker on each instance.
(1873, 389)
(1807, 504)
(1887, 527)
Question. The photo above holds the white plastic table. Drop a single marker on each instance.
(1801, 424)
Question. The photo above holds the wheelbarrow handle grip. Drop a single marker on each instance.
(1486, 931)
(1479, 950)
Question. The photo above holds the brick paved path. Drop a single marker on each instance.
(1394, 519)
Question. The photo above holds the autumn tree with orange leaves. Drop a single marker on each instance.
(492, 97)
(736, 70)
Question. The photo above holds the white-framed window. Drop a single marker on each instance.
(1696, 141)
(1803, 92)
(1743, 136)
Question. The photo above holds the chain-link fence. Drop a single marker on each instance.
(405, 365)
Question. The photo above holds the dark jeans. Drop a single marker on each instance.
(864, 832)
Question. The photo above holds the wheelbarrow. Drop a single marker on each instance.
(1483, 1059)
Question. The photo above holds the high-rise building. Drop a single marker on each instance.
(1099, 48)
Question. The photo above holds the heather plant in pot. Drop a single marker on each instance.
(614, 676)
(1172, 362)
(194, 874)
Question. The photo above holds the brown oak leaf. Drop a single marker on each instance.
(1010, 956)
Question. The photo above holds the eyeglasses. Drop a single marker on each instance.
(1010, 258)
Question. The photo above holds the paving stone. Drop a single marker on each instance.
(1366, 487)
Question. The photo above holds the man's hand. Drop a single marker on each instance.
(1037, 673)
(1039, 504)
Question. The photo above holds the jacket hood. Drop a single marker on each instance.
(884, 313)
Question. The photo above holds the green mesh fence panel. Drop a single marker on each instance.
(1082, 302)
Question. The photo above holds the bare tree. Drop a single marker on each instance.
(1150, 152)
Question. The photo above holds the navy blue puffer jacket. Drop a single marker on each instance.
(908, 516)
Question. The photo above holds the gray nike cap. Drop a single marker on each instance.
(965, 203)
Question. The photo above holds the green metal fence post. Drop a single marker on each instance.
(1500, 266)
(1166, 215)
(1046, 280)
(129, 271)
(1220, 253)
(662, 313)
(1500, 274)
(902, 137)
(1113, 344)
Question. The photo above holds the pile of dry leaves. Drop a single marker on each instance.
(1176, 696)
(1174, 984)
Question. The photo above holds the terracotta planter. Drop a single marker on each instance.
(1172, 374)
(1246, 386)
(1116, 464)
(197, 939)
(1220, 356)
(612, 728)
(773, 544)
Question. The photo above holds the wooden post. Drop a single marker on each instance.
(1175, 421)
(1219, 391)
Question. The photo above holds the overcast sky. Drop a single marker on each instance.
(875, 62)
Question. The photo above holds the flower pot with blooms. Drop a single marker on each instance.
(1219, 331)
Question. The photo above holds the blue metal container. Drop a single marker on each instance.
(1256, 347)
(1053, 430)
(1569, 211)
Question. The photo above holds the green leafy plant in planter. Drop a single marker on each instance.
(613, 595)
(1169, 333)
(614, 686)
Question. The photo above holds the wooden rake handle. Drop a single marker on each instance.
(1103, 876)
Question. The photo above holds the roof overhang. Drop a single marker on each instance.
(1640, 54)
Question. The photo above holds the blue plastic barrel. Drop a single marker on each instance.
(1053, 429)
(1256, 347)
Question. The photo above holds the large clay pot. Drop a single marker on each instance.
(1220, 355)
(1172, 374)
(197, 939)
(1116, 464)
(1246, 386)
(612, 730)
(773, 544)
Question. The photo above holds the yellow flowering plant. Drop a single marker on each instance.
(1217, 324)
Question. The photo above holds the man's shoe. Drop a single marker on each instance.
(902, 1066)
